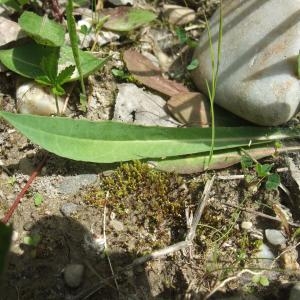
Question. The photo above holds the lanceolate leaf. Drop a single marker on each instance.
(26, 60)
(42, 30)
(107, 141)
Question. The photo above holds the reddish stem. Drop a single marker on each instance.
(24, 190)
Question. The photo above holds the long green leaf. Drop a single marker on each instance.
(26, 60)
(107, 141)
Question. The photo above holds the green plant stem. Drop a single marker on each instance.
(56, 103)
(74, 45)
(215, 70)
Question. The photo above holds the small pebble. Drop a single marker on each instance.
(265, 256)
(73, 275)
(246, 225)
(116, 225)
(27, 226)
(15, 236)
(67, 209)
(29, 97)
(275, 237)
(72, 184)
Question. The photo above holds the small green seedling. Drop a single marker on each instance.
(12, 180)
(261, 279)
(296, 234)
(193, 65)
(122, 74)
(184, 39)
(263, 173)
(38, 199)
(32, 240)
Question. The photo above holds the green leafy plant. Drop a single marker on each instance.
(26, 60)
(48, 60)
(38, 199)
(12, 180)
(193, 64)
(183, 38)
(122, 74)
(32, 240)
(262, 172)
(261, 279)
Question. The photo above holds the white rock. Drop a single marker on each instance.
(257, 75)
(275, 237)
(73, 274)
(34, 99)
(134, 105)
(246, 225)
(121, 2)
(15, 236)
(9, 31)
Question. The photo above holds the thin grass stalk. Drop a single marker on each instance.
(215, 70)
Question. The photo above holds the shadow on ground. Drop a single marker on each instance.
(38, 272)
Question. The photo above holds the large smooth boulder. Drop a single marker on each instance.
(258, 71)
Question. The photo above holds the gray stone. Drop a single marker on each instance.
(143, 108)
(67, 209)
(265, 256)
(72, 184)
(73, 275)
(275, 237)
(257, 76)
(295, 292)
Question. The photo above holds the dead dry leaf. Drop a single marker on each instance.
(178, 15)
(150, 75)
(190, 108)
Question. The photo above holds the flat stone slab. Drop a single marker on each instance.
(257, 75)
